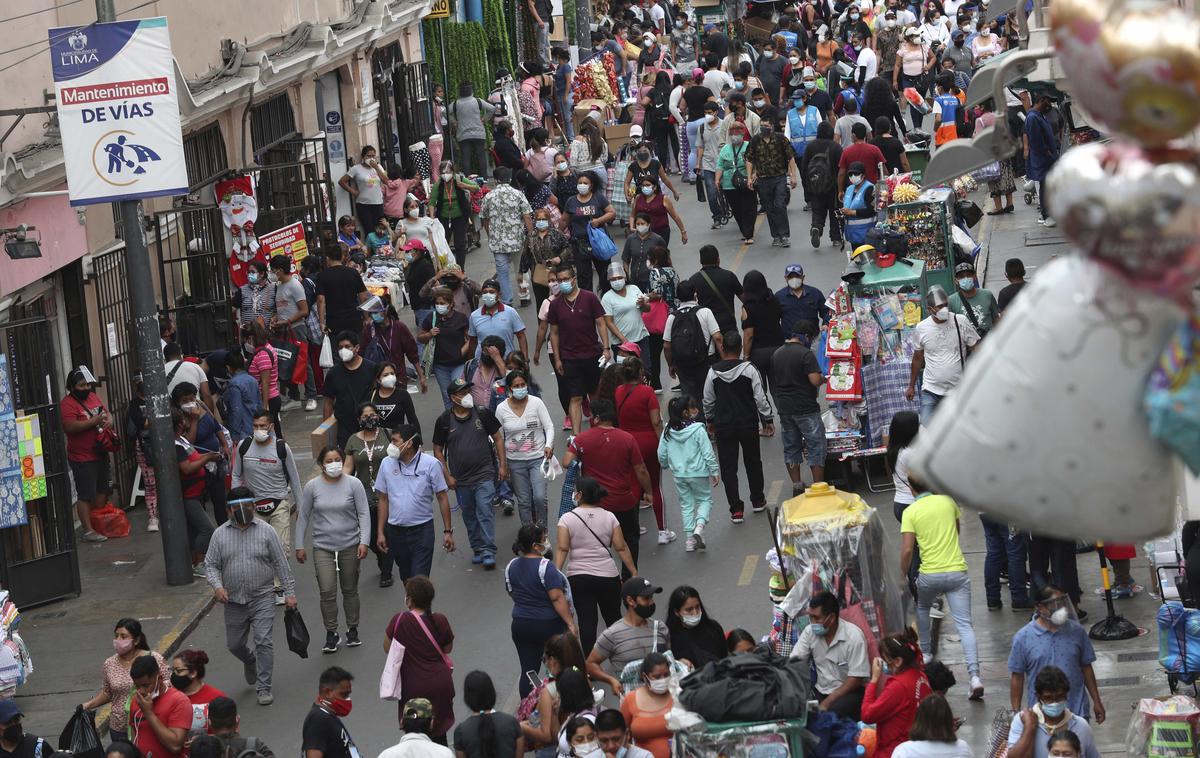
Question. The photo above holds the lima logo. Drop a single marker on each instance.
(79, 54)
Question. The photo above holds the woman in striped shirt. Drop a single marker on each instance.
(264, 367)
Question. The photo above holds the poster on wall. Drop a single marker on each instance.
(289, 241)
(12, 497)
(32, 460)
(118, 111)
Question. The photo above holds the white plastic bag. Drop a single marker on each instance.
(326, 360)
(551, 469)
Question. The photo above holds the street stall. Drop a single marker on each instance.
(16, 665)
(777, 739)
(928, 222)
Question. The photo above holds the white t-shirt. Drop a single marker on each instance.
(903, 494)
(625, 312)
(867, 58)
(366, 181)
(944, 352)
(417, 746)
(188, 372)
(527, 436)
(708, 322)
(716, 81)
(929, 749)
(658, 16)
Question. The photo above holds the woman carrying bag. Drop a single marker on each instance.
(546, 248)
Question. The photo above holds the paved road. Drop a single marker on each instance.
(730, 575)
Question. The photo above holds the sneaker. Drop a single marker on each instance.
(508, 506)
(976, 688)
(938, 609)
(758, 507)
(1016, 607)
(566, 427)
(352, 639)
(250, 670)
(1041, 220)
(644, 505)
(676, 387)
(386, 580)
(698, 538)
(785, 241)
(477, 558)
(775, 242)
(689, 545)
(996, 606)
(1080, 615)
(737, 517)
(642, 530)
(93, 537)
(331, 642)
(1122, 592)
(665, 536)
(279, 600)
(309, 405)
(715, 225)
(199, 572)
(1050, 223)
(288, 405)
(658, 390)
(265, 697)
(152, 525)
(815, 237)
(489, 563)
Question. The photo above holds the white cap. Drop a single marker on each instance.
(635, 130)
(808, 71)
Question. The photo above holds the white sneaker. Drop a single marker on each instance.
(1050, 223)
(665, 536)
(152, 525)
(976, 688)
(310, 404)
(642, 530)
(698, 538)
(288, 404)
(689, 546)
(938, 609)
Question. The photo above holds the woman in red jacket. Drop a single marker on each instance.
(892, 707)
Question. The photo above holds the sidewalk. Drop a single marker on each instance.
(1014, 235)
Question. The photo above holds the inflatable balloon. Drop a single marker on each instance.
(1046, 429)
(1134, 65)
(1133, 209)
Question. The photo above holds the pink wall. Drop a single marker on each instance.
(63, 239)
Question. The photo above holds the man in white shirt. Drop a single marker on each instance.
(943, 341)
(686, 359)
(715, 79)
(839, 653)
(180, 371)
(417, 723)
(867, 65)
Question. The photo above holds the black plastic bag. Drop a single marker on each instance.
(970, 213)
(700, 188)
(297, 632)
(80, 736)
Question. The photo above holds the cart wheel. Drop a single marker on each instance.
(1172, 682)
(1029, 198)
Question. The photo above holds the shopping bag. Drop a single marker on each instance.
(80, 736)
(655, 319)
(326, 358)
(551, 469)
(567, 503)
(836, 736)
(110, 521)
(603, 247)
(300, 371)
(297, 632)
(286, 352)
(429, 350)
(389, 679)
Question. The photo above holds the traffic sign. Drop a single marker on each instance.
(441, 9)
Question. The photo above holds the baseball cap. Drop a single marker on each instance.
(638, 586)
(958, 34)
(418, 708)
(697, 72)
(631, 347)
(9, 710)
(964, 267)
(913, 32)
(458, 385)
(413, 245)
(891, 13)
(635, 130)
(649, 36)
(793, 268)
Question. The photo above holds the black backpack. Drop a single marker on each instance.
(244, 747)
(689, 343)
(280, 448)
(820, 174)
(660, 107)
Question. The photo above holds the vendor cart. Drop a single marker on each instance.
(748, 739)
(927, 223)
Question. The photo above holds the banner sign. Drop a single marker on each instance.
(118, 111)
(289, 241)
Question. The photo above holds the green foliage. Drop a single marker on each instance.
(466, 50)
(499, 47)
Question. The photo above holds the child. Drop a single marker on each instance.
(379, 242)
(686, 450)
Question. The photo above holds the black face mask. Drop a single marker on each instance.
(14, 733)
(645, 611)
(80, 395)
(643, 157)
(959, 42)
(180, 682)
(369, 422)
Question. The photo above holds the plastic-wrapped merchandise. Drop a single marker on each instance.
(1179, 640)
(1163, 727)
(763, 739)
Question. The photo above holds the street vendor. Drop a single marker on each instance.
(838, 651)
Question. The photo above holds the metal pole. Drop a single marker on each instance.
(449, 145)
(142, 309)
(583, 31)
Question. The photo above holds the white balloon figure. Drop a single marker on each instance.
(1046, 430)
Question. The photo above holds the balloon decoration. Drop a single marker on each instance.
(1046, 430)
(1133, 65)
(1069, 416)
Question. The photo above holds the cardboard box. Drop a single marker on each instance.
(323, 435)
(617, 136)
(584, 107)
(758, 29)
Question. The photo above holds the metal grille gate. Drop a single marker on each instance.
(414, 107)
(112, 302)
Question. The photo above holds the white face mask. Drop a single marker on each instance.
(659, 686)
(262, 435)
(334, 469)
(941, 314)
(346, 354)
(643, 228)
(794, 61)
(466, 401)
(393, 451)
(561, 166)
(189, 406)
(1059, 617)
(890, 23)
(583, 189)
(388, 381)
(541, 224)
(768, 54)
(488, 299)
(442, 310)
(795, 282)
(856, 179)
(690, 620)
(586, 748)
(759, 103)
(617, 284)
(414, 212)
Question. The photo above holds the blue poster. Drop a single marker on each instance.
(12, 498)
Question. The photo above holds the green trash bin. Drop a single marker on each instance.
(918, 161)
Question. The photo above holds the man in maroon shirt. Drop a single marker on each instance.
(579, 336)
(863, 152)
(611, 457)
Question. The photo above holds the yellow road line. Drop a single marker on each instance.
(748, 569)
(741, 254)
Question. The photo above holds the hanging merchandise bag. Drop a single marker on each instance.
(80, 736)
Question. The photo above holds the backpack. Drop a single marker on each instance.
(660, 107)
(374, 351)
(280, 448)
(244, 747)
(689, 343)
(820, 174)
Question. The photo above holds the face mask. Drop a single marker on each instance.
(678, 24)
(387, 382)
(795, 282)
(14, 733)
(370, 422)
(643, 228)
(80, 395)
(765, 130)
(248, 347)
(488, 299)
(818, 630)
(545, 546)
(959, 42)
(853, 16)
(262, 435)
(346, 354)
(967, 283)
(520, 393)
(407, 258)
(768, 54)
(414, 212)
(1059, 617)
(122, 645)
(393, 451)
(253, 277)
(587, 748)
(794, 61)
(333, 469)
(941, 314)
(809, 84)
(340, 708)
(648, 191)
(890, 23)
(553, 288)
(736, 140)
(562, 167)
(583, 189)
(643, 157)
(645, 611)
(178, 681)
(887, 668)
(377, 318)
(712, 118)
(1053, 710)
(739, 85)
(241, 514)
(659, 686)
(759, 103)
(858, 47)
(189, 406)
(690, 621)
(441, 310)
(466, 401)
(565, 288)
(856, 179)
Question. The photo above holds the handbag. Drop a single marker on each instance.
(603, 247)
(445, 658)
(326, 358)
(389, 678)
(566, 503)
(107, 440)
(655, 319)
(739, 180)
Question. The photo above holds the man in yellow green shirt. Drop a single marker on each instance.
(931, 525)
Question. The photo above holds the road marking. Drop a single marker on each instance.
(985, 237)
(748, 569)
(773, 493)
(737, 261)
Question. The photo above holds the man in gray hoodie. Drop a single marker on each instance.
(466, 117)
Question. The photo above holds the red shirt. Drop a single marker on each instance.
(81, 446)
(892, 710)
(867, 154)
(608, 456)
(576, 322)
(200, 700)
(173, 710)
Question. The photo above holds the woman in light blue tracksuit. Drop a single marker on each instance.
(686, 450)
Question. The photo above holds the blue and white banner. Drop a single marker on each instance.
(118, 111)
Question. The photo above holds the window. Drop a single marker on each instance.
(204, 153)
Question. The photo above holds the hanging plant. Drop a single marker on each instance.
(499, 45)
(568, 7)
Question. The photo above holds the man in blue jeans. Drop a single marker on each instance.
(943, 340)
(707, 133)
(407, 485)
(469, 443)
(796, 381)
(930, 523)
(1006, 549)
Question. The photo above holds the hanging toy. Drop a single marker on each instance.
(239, 212)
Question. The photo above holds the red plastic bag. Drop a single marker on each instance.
(300, 372)
(110, 521)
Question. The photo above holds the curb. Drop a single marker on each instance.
(172, 641)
